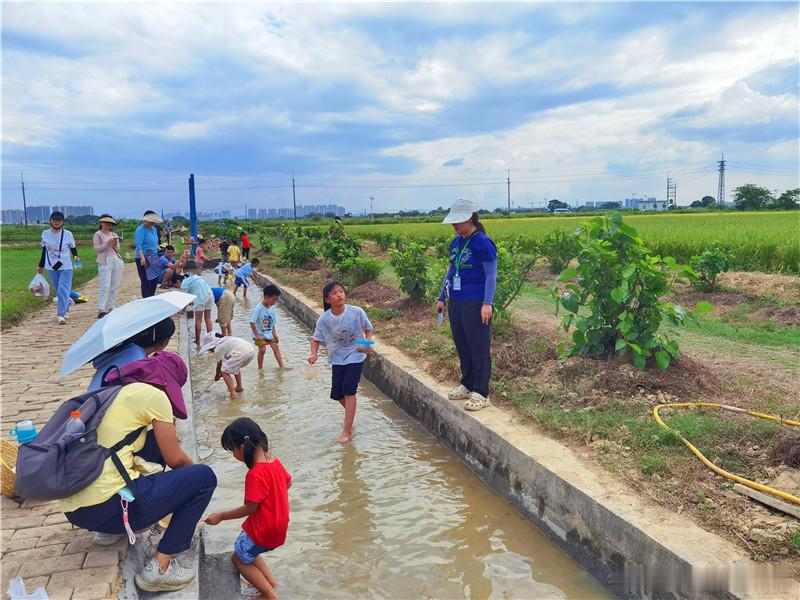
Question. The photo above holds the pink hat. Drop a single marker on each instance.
(165, 370)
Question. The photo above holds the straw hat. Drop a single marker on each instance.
(152, 218)
(107, 219)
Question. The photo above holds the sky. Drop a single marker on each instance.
(411, 104)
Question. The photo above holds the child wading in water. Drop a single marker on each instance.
(266, 504)
(262, 322)
(233, 354)
(338, 328)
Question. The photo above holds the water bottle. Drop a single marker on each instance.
(75, 426)
(78, 264)
(190, 311)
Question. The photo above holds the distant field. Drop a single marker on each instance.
(759, 241)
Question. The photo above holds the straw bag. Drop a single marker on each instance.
(8, 454)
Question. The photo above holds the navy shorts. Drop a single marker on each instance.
(345, 380)
(240, 282)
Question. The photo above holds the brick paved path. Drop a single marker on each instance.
(37, 542)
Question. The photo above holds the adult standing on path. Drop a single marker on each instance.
(470, 285)
(146, 237)
(58, 252)
(109, 264)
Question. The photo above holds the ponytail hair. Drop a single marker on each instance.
(245, 432)
(474, 220)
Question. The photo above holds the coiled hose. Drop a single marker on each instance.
(726, 474)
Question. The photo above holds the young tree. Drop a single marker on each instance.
(788, 200)
(751, 197)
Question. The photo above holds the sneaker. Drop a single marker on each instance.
(107, 539)
(151, 579)
(66, 316)
(62, 321)
(476, 402)
(459, 393)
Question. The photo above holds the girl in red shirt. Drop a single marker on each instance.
(266, 504)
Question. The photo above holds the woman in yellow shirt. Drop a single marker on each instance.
(184, 491)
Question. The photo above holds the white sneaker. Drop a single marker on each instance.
(107, 539)
(62, 321)
(66, 316)
(459, 393)
(476, 402)
(151, 579)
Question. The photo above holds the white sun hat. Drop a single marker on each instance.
(461, 211)
(209, 341)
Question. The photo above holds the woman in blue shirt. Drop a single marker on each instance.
(470, 285)
(146, 237)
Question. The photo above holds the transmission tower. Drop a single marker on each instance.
(672, 192)
(721, 188)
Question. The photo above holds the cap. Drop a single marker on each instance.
(57, 214)
(461, 211)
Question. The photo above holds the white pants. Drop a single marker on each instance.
(110, 275)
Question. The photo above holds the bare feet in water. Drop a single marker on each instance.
(240, 389)
(344, 437)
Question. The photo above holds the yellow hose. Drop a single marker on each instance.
(727, 475)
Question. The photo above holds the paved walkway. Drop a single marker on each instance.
(37, 543)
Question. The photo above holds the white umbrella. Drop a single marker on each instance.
(120, 324)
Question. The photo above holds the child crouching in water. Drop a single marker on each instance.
(338, 328)
(233, 354)
(266, 504)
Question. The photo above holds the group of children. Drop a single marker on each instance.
(266, 493)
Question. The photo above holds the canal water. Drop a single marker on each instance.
(393, 514)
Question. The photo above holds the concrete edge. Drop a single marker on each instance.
(614, 538)
(147, 541)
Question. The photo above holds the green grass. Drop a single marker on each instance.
(759, 241)
(17, 268)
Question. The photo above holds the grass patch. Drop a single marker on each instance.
(18, 266)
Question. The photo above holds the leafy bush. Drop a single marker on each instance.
(361, 269)
(442, 246)
(299, 249)
(512, 268)
(264, 242)
(411, 266)
(338, 247)
(620, 285)
(559, 247)
(385, 240)
(709, 265)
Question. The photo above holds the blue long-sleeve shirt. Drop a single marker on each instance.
(146, 239)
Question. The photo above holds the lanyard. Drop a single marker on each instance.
(460, 254)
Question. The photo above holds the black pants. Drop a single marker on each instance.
(246, 253)
(473, 342)
(146, 286)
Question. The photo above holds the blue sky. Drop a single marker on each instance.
(414, 104)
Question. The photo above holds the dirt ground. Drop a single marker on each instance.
(529, 377)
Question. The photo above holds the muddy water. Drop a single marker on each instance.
(392, 514)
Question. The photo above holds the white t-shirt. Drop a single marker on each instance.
(51, 241)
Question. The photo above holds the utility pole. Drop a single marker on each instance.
(508, 184)
(192, 213)
(24, 204)
(371, 214)
(721, 187)
(294, 198)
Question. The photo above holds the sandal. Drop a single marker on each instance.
(476, 402)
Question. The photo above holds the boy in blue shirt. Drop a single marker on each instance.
(262, 322)
(157, 268)
(204, 301)
(242, 273)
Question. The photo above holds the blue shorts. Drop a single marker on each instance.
(345, 380)
(240, 282)
(246, 549)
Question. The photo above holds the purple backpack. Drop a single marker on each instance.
(51, 467)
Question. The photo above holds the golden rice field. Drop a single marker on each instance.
(759, 241)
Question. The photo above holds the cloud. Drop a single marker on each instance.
(453, 162)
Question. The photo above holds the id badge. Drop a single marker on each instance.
(456, 283)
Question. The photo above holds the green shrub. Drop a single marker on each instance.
(411, 266)
(361, 269)
(709, 265)
(264, 242)
(619, 287)
(338, 247)
(385, 240)
(513, 267)
(299, 249)
(442, 246)
(559, 247)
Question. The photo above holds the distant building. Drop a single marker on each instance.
(75, 211)
(38, 214)
(653, 205)
(13, 216)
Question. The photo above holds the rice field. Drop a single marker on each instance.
(759, 241)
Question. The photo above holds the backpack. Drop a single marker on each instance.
(50, 467)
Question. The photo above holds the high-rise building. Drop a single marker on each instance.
(38, 214)
(13, 216)
(75, 211)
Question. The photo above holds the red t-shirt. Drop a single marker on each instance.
(245, 242)
(268, 484)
